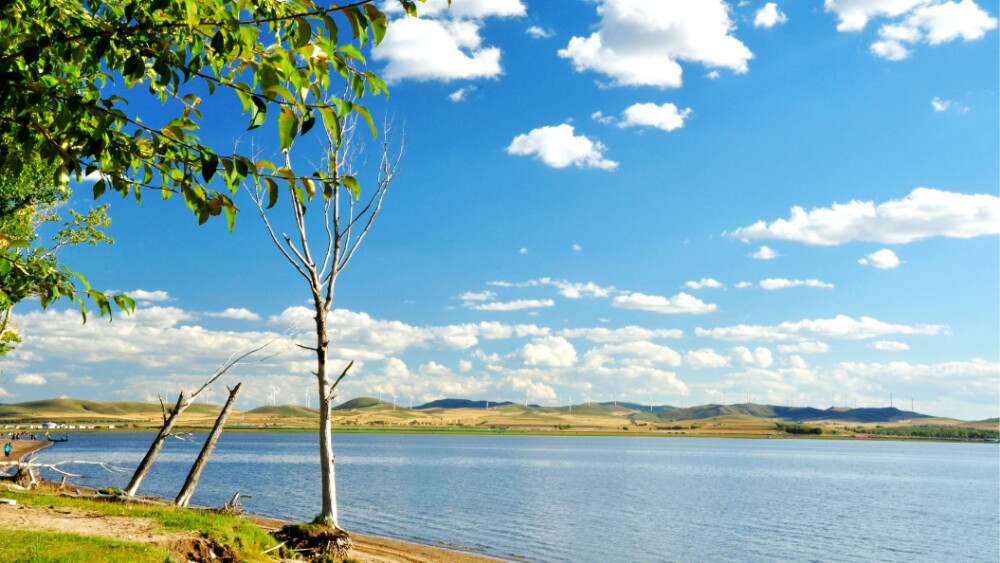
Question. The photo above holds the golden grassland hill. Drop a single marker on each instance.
(609, 417)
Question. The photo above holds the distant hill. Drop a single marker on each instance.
(461, 404)
(796, 414)
(286, 410)
(360, 403)
(82, 409)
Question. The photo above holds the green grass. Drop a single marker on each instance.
(246, 538)
(51, 547)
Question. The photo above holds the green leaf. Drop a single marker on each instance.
(259, 112)
(272, 192)
(288, 125)
(209, 166)
(352, 184)
(308, 120)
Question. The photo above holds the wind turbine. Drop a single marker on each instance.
(308, 399)
(394, 403)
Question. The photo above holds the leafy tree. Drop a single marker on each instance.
(284, 57)
(28, 265)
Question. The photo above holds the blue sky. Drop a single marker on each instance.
(666, 202)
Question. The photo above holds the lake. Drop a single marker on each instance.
(565, 498)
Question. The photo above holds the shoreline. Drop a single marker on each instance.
(367, 548)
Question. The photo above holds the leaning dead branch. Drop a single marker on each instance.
(184, 400)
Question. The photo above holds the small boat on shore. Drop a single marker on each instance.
(65, 438)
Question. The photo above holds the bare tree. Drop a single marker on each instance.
(183, 402)
(184, 497)
(345, 220)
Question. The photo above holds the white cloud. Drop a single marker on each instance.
(558, 146)
(703, 283)
(30, 379)
(634, 354)
(515, 305)
(713, 75)
(743, 285)
(665, 117)
(236, 313)
(913, 21)
(577, 248)
(624, 334)
(906, 371)
(705, 358)
(805, 347)
(522, 251)
(759, 357)
(445, 50)
(769, 16)
(143, 295)
(854, 14)
(841, 327)
(460, 94)
(680, 303)
(480, 296)
(924, 213)
(473, 9)
(781, 283)
(765, 253)
(890, 346)
(549, 351)
(539, 32)
(640, 42)
(884, 259)
(940, 105)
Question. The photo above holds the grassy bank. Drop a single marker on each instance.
(168, 531)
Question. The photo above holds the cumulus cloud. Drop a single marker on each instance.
(940, 105)
(884, 259)
(924, 213)
(665, 117)
(765, 253)
(906, 371)
(559, 147)
(913, 21)
(772, 284)
(539, 32)
(705, 358)
(841, 327)
(624, 334)
(236, 313)
(30, 379)
(703, 283)
(680, 303)
(890, 346)
(480, 296)
(805, 347)
(143, 295)
(516, 305)
(461, 94)
(443, 43)
(634, 354)
(769, 16)
(549, 351)
(641, 42)
(759, 357)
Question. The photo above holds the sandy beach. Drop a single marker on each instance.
(367, 549)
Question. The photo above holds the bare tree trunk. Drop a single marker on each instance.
(154, 448)
(184, 497)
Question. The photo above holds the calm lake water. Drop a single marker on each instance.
(554, 498)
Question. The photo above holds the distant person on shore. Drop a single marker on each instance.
(6, 450)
